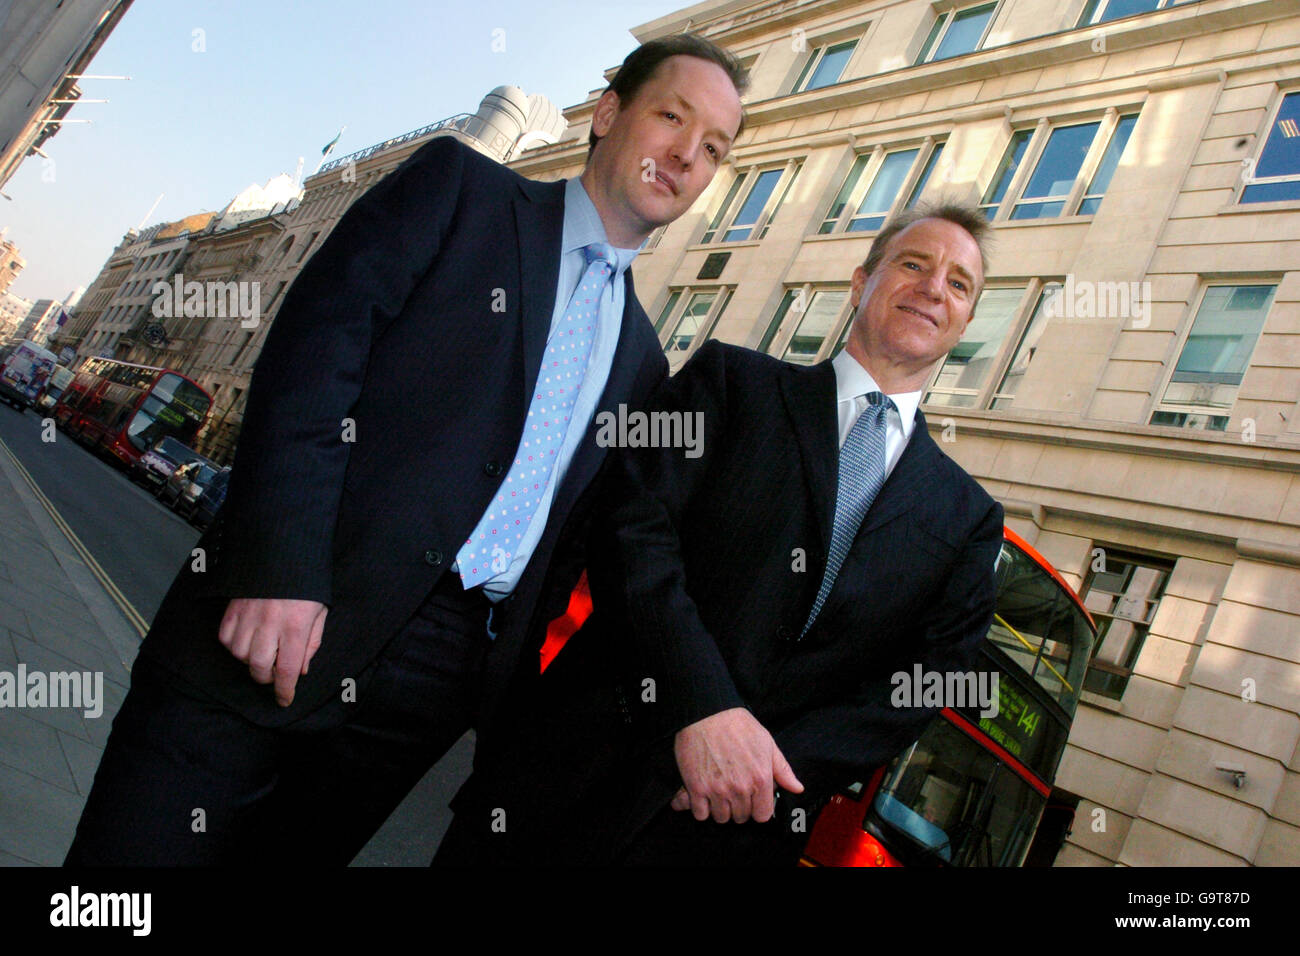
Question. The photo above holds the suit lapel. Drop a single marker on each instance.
(539, 218)
(809, 396)
(909, 482)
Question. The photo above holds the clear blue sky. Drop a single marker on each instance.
(277, 80)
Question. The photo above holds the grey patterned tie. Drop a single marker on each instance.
(862, 472)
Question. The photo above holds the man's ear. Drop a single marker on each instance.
(859, 282)
(606, 109)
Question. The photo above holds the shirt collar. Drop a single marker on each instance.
(852, 380)
(582, 226)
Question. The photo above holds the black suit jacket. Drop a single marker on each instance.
(417, 332)
(703, 572)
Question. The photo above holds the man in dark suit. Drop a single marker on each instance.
(415, 455)
(752, 602)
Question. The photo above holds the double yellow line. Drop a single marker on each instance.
(114, 592)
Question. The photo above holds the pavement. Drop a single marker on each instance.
(55, 616)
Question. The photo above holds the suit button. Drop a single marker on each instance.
(785, 632)
(433, 558)
(493, 468)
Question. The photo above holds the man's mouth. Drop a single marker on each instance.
(667, 181)
(925, 315)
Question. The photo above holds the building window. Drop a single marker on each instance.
(1106, 168)
(1214, 358)
(1005, 395)
(1123, 599)
(1275, 176)
(667, 310)
(302, 253)
(810, 317)
(957, 32)
(284, 251)
(752, 203)
(824, 67)
(969, 367)
(876, 186)
(691, 325)
(1061, 170)
(1103, 11)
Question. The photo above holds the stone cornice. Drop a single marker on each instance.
(1053, 49)
(1122, 438)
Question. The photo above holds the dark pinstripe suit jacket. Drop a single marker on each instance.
(393, 331)
(703, 572)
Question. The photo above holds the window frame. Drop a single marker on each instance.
(785, 321)
(816, 55)
(905, 198)
(673, 312)
(1158, 401)
(1087, 20)
(1031, 298)
(1103, 618)
(738, 193)
(1262, 142)
(1107, 125)
(943, 22)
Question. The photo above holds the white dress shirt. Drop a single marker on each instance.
(852, 383)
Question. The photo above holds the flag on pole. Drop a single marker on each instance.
(329, 147)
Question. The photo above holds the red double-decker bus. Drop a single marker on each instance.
(124, 408)
(973, 790)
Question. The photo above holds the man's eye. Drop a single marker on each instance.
(911, 265)
(668, 114)
(713, 150)
(958, 284)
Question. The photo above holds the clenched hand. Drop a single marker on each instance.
(275, 637)
(730, 767)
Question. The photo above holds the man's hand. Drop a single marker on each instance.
(729, 765)
(275, 637)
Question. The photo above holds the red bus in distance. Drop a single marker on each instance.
(124, 409)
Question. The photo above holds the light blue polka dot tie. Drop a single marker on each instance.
(862, 472)
(491, 545)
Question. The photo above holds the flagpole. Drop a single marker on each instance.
(329, 148)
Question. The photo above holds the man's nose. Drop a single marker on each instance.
(928, 284)
(685, 148)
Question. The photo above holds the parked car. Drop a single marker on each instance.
(156, 465)
(186, 483)
(205, 509)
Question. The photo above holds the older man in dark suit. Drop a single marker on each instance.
(753, 601)
(416, 453)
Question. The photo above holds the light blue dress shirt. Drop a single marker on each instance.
(582, 227)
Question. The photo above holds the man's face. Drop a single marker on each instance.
(659, 151)
(917, 303)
